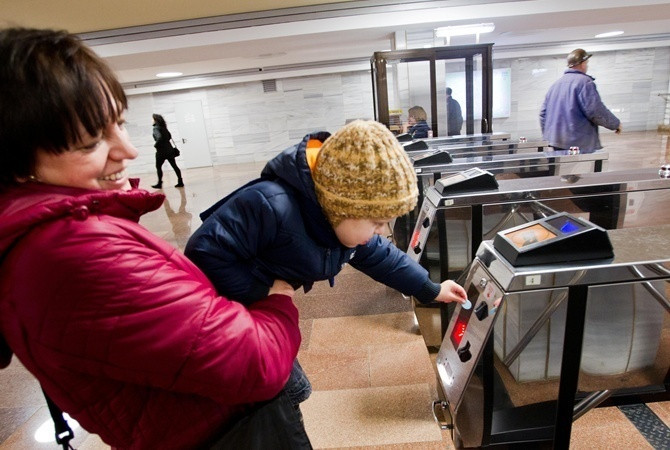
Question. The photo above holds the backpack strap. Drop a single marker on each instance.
(64, 433)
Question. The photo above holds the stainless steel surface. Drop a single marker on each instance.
(655, 293)
(554, 302)
(589, 402)
(622, 332)
(478, 149)
(523, 190)
(473, 148)
(479, 137)
(455, 374)
(486, 148)
(642, 248)
(532, 162)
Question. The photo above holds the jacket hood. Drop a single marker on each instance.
(28, 205)
(291, 168)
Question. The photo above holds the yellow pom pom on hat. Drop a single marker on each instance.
(362, 172)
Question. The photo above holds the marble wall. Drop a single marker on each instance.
(245, 124)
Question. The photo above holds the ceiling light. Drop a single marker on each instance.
(462, 30)
(168, 74)
(609, 34)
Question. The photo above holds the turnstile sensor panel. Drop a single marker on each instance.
(470, 180)
(467, 333)
(558, 238)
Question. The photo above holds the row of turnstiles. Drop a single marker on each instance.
(567, 269)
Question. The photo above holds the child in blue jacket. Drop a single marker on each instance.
(318, 205)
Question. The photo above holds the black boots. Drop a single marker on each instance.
(159, 185)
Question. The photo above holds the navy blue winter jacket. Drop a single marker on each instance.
(419, 130)
(273, 228)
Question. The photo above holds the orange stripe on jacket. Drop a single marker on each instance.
(312, 151)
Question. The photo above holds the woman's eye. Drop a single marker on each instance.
(90, 146)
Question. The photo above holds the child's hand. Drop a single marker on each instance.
(451, 292)
(282, 287)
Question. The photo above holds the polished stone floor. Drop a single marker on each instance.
(372, 372)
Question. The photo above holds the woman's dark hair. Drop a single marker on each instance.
(51, 84)
(159, 120)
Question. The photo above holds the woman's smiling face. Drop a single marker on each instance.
(95, 162)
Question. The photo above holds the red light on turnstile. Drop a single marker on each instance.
(415, 239)
(458, 332)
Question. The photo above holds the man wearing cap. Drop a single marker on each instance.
(572, 109)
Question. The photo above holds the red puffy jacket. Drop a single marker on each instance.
(123, 332)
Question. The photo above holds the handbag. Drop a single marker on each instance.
(275, 424)
(175, 150)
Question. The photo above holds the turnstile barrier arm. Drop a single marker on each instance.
(659, 296)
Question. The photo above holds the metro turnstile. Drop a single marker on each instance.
(601, 187)
(487, 147)
(461, 138)
(596, 303)
(483, 149)
(534, 163)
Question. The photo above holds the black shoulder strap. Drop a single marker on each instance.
(64, 433)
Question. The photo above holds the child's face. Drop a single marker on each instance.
(354, 232)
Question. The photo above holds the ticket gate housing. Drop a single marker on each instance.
(462, 138)
(604, 195)
(524, 165)
(592, 304)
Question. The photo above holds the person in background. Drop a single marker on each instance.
(164, 151)
(417, 127)
(317, 206)
(454, 115)
(121, 330)
(572, 110)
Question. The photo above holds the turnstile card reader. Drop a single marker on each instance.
(471, 180)
(557, 238)
(468, 330)
(431, 158)
(414, 146)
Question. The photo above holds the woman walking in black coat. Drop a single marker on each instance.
(164, 151)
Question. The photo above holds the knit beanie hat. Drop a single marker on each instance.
(362, 172)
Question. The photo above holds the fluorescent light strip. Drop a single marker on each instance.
(609, 34)
(462, 30)
(168, 74)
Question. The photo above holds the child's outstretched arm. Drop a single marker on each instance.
(450, 291)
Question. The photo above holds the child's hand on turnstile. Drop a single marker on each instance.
(451, 291)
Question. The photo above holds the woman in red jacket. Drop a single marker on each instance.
(121, 330)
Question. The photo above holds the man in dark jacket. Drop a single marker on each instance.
(317, 206)
(572, 109)
(454, 115)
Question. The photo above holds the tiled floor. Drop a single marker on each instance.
(371, 371)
